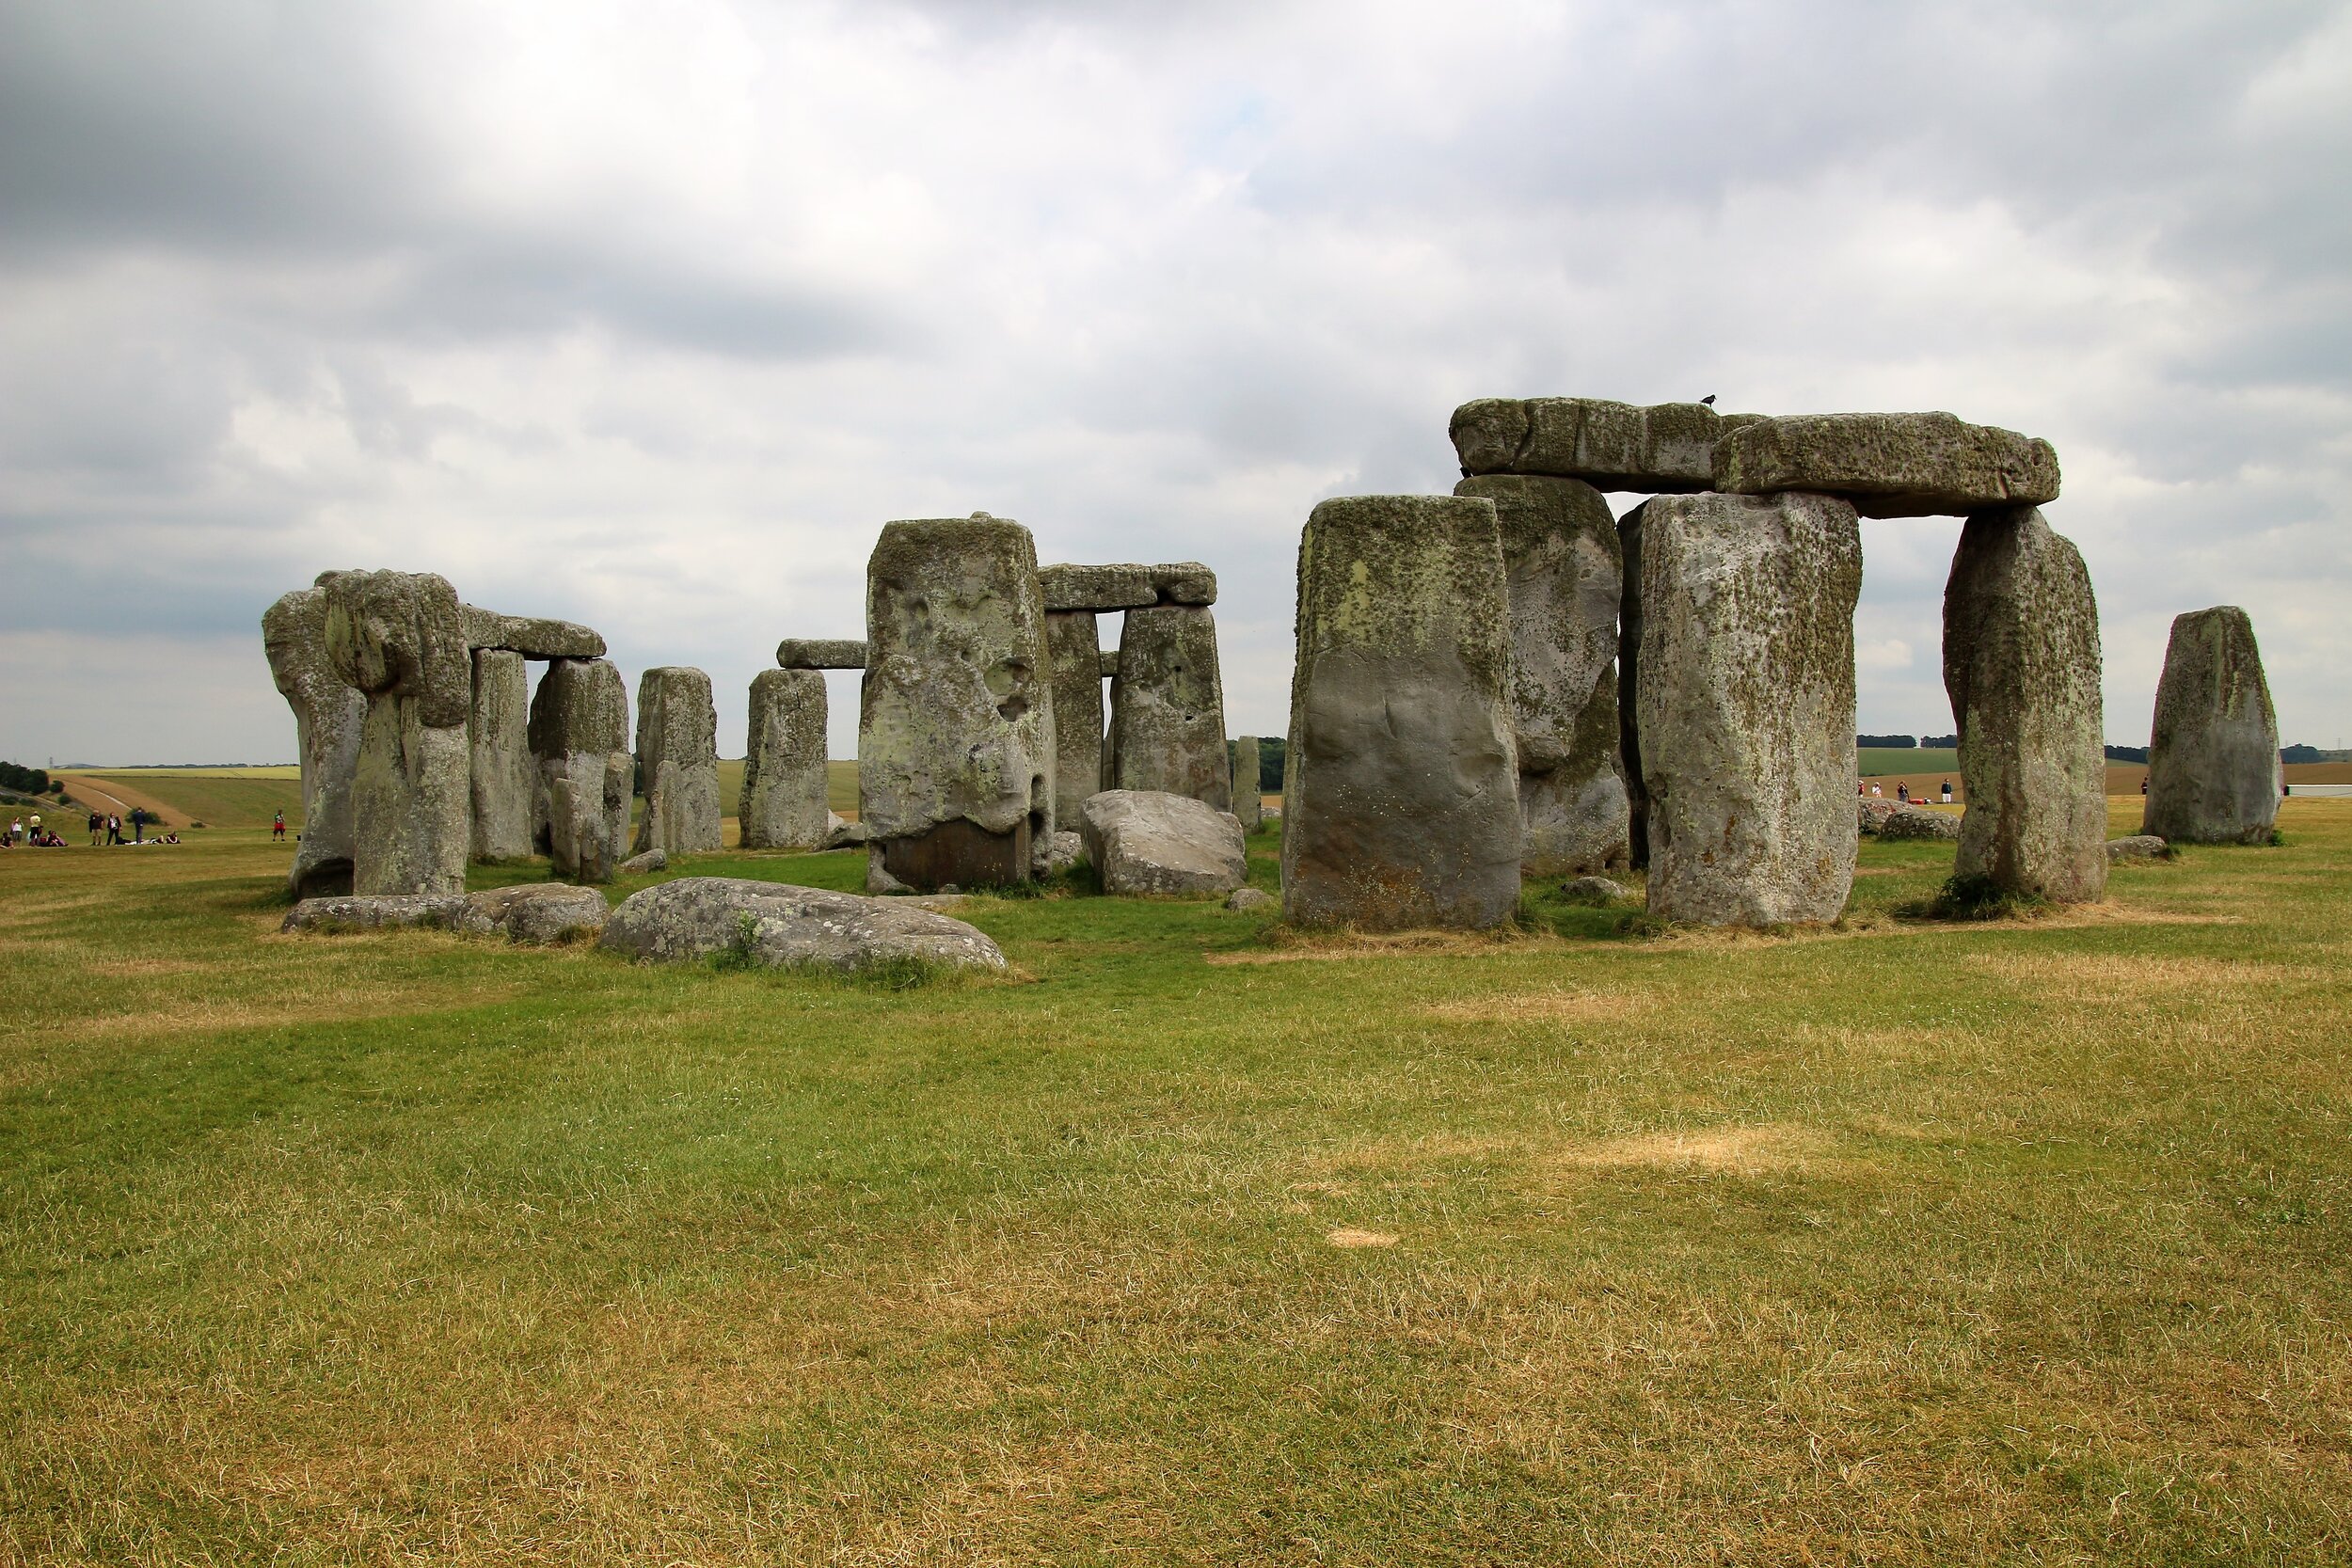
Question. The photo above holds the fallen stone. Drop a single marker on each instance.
(1889, 464)
(956, 731)
(821, 653)
(1248, 900)
(1074, 645)
(328, 715)
(2213, 752)
(1168, 707)
(374, 911)
(880, 883)
(1400, 799)
(783, 802)
(1870, 811)
(502, 776)
(1153, 844)
(2021, 665)
(540, 914)
(1248, 807)
(847, 836)
(580, 736)
(2139, 847)
(1918, 822)
(776, 925)
(645, 865)
(531, 636)
(1594, 890)
(1667, 447)
(1097, 589)
(1747, 707)
(1184, 582)
(1563, 571)
(677, 760)
(400, 638)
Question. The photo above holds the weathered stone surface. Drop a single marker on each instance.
(504, 774)
(1871, 811)
(328, 714)
(1074, 647)
(580, 736)
(1168, 707)
(956, 728)
(2139, 847)
(1249, 762)
(1629, 708)
(1400, 802)
(821, 653)
(783, 805)
(1248, 900)
(2020, 664)
(1063, 851)
(1562, 568)
(1664, 448)
(1186, 583)
(2213, 754)
(645, 865)
(532, 636)
(541, 913)
(374, 911)
(677, 761)
(1110, 663)
(1889, 464)
(847, 836)
(1126, 585)
(1146, 844)
(1747, 705)
(775, 924)
(1594, 890)
(400, 638)
(1918, 822)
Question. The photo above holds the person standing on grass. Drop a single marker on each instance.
(1902, 793)
(1947, 792)
(16, 830)
(138, 824)
(97, 826)
(37, 825)
(277, 827)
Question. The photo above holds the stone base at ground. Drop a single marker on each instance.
(374, 911)
(1150, 844)
(775, 924)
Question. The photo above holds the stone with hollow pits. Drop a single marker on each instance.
(328, 714)
(783, 805)
(1889, 464)
(2213, 754)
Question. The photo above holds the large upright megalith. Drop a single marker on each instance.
(1248, 809)
(504, 775)
(2213, 754)
(783, 770)
(399, 637)
(328, 714)
(1562, 568)
(956, 722)
(1400, 805)
(1747, 696)
(1073, 648)
(1168, 707)
(2020, 664)
(579, 736)
(678, 762)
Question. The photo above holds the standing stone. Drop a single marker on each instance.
(328, 715)
(400, 638)
(956, 728)
(1562, 565)
(504, 775)
(1400, 805)
(1628, 707)
(678, 762)
(2213, 755)
(784, 770)
(2021, 663)
(1747, 705)
(1074, 645)
(1248, 807)
(580, 735)
(1168, 707)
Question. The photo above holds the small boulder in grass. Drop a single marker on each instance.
(645, 865)
(2139, 847)
(1147, 844)
(1248, 900)
(1873, 811)
(540, 914)
(1594, 890)
(775, 924)
(1918, 822)
(374, 911)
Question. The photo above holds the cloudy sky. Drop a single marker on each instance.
(649, 314)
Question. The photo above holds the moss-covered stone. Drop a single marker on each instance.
(1074, 646)
(1666, 448)
(677, 760)
(328, 713)
(579, 736)
(783, 805)
(1889, 464)
(400, 638)
(503, 775)
(1168, 707)
(2213, 754)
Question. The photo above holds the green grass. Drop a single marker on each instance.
(2013, 1242)
(1881, 761)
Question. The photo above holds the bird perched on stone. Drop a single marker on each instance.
(1708, 400)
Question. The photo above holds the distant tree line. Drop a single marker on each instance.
(2127, 754)
(1908, 742)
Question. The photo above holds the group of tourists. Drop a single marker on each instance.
(1903, 791)
(104, 828)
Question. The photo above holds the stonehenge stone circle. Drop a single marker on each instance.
(2213, 754)
(1073, 648)
(531, 636)
(678, 762)
(328, 714)
(779, 925)
(580, 735)
(1666, 449)
(504, 777)
(821, 652)
(1889, 464)
(1097, 589)
(400, 638)
(1400, 807)
(956, 722)
(783, 770)
(2020, 664)
(1148, 844)
(1249, 762)
(1746, 690)
(1563, 568)
(1628, 707)
(1168, 707)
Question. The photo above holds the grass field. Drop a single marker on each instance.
(1915, 1245)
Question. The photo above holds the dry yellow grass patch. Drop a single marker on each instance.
(1302, 947)
(1544, 1006)
(199, 1016)
(1348, 1236)
(2119, 976)
(1731, 1150)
